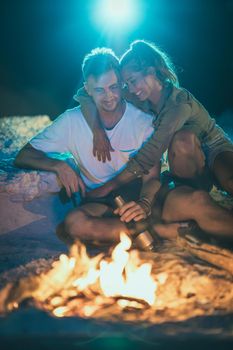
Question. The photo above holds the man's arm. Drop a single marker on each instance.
(31, 158)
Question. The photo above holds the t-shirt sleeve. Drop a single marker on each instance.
(54, 138)
(169, 122)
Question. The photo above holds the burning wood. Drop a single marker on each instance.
(126, 286)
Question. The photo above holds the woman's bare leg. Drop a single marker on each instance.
(185, 156)
(185, 203)
(223, 170)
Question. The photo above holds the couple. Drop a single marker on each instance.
(110, 123)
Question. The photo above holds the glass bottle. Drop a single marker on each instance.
(140, 235)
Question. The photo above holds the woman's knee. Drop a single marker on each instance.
(185, 155)
(183, 142)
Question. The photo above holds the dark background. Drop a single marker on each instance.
(43, 43)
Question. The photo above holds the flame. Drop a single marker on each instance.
(105, 285)
(77, 278)
(122, 277)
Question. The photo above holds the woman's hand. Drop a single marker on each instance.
(131, 211)
(101, 145)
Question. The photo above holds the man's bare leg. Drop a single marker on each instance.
(87, 223)
(223, 170)
(185, 203)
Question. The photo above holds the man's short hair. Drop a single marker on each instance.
(100, 61)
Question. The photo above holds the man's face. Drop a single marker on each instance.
(105, 91)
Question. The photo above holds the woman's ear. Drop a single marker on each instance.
(150, 70)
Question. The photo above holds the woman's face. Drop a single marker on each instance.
(144, 86)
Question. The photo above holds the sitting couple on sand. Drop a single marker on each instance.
(131, 112)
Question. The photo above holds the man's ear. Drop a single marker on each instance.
(86, 87)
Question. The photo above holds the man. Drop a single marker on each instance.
(126, 126)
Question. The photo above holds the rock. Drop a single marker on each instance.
(18, 187)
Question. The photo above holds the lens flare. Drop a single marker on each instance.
(117, 14)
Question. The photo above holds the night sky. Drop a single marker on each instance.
(43, 44)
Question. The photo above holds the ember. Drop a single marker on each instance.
(128, 285)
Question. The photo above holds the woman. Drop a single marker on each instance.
(198, 149)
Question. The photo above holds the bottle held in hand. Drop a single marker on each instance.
(141, 236)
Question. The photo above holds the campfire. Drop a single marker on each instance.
(125, 285)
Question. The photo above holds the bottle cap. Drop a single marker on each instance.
(119, 201)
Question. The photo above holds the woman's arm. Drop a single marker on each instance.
(101, 144)
(150, 186)
(141, 209)
(171, 121)
(167, 125)
(88, 109)
(124, 177)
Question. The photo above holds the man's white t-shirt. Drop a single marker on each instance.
(71, 133)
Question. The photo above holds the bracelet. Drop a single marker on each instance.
(145, 204)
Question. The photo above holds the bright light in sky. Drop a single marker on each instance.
(116, 14)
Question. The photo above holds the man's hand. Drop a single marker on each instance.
(131, 211)
(69, 179)
(101, 145)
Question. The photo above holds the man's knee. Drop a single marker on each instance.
(76, 223)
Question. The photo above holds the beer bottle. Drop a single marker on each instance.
(140, 235)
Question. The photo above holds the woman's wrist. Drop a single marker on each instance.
(145, 204)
